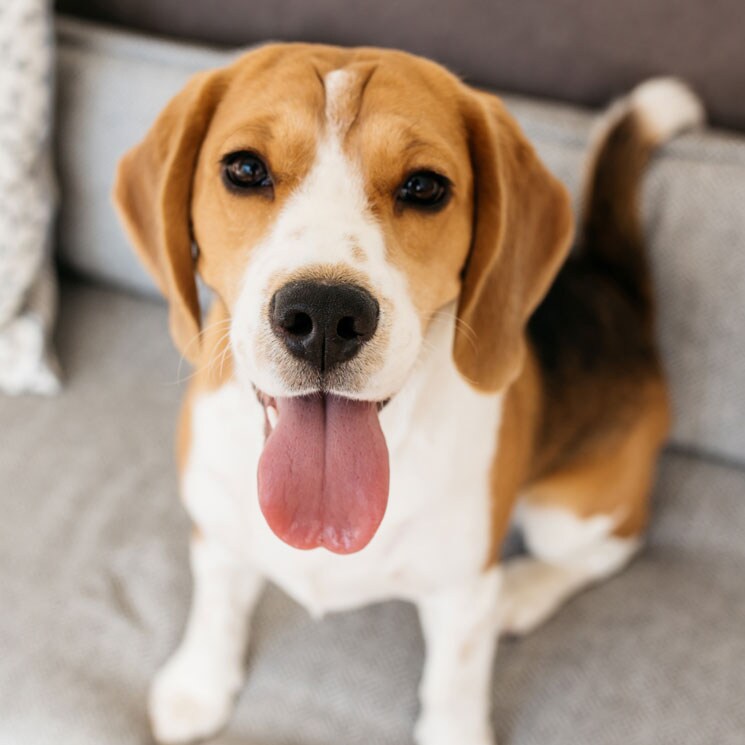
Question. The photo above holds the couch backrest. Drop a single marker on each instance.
(111, 87)
(579, 51)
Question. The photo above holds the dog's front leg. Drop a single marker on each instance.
(192, 695)
(460, 627)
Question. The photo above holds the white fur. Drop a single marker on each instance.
(551, 532)
(439, 492)
(460, 632)
(192, 696)
(439, 497)
(668, 106)
(570, 554)
(338, 84)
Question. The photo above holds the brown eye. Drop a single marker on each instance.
(424, 189)
(244, 171)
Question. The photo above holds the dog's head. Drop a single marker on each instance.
(335, 200)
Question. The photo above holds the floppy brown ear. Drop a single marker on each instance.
(152, 192)
(521, 234)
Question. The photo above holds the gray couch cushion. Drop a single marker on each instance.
(111, 87)
(573, 50)
(94, 584)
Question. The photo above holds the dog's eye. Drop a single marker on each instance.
(244, 170)
(424, 189)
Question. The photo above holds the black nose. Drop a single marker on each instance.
(325, 324)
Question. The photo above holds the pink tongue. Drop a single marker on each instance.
(323, 475)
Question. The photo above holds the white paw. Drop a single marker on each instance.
(531, 594)
(190, 700)
(448, 730)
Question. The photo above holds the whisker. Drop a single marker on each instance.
(468, 331)
(215, 324)
(222, 356)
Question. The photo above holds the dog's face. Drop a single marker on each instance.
(332, 209)
(338, 199)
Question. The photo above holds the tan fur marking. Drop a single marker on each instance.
(512, 461)
(183, 432)
(522, 235)
(213, 369)
(616, 478)
(612, 475)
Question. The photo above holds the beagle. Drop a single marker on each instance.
(400, 358)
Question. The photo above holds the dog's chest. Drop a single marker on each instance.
(441, 437)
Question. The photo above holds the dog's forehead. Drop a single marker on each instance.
(313, 87)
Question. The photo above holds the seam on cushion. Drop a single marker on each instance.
(107, 41)
(708, 455)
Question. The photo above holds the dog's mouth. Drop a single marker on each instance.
(323, 476)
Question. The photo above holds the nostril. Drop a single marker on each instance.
(346, 330)
(323, 323)
(298, 324)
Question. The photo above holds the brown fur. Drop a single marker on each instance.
(602, 411)
(214, 370)
(614, 477)
(156, 205)
(523, 229)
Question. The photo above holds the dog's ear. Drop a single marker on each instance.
(522, 228)
(152, 193)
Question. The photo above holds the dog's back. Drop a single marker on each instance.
(594, 333)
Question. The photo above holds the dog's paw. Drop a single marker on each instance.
(532, 592)
(188, 703)
(447, 730)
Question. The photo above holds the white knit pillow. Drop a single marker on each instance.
(27, 197)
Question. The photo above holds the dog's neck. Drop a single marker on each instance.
(434, 387)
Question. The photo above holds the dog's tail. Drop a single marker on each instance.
(610, 235)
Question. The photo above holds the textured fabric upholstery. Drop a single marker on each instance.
(582, 51)
(94, 585)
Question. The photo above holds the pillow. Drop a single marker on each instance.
(27, 198)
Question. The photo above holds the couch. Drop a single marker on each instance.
(93, 541)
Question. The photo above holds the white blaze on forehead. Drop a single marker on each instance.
(340, 88)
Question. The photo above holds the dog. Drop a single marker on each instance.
(401, 359)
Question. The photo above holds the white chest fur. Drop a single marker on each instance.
(441, 436)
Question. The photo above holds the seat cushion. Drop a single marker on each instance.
(95, 586)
